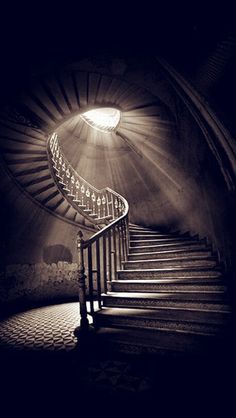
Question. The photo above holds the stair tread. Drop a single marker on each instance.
(153, 260)
(166, 240)
(167, 280)
(172, 244)
(157, 295)
(153, 337)
(170, 269)
(179, 251)
(162, 313)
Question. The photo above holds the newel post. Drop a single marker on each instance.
(84, 323)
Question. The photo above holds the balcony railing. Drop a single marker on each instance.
(102, 254)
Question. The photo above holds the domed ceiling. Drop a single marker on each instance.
(137, 159)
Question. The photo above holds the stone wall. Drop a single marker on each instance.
(39, 283)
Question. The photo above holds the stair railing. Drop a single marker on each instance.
(103, 253)
(98, 206)
(99, 258)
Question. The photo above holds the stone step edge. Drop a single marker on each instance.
(164, 329)
(152, 295)
(166, 281)
(157, 260)
(149, 333)
(171, 270)
(226, 311)
(179, 252)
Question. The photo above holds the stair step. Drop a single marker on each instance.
(153, 234)
(170, 273)
(168, 285)
(175, 263)
(170, 246)
(160, 238)
(171, 254)
(197, 321)
(168, 241)
(195, 300)
(146, 232)
(142, 228)
(151, 341)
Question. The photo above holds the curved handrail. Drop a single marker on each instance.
(113, 224)
(106, 250)
(98, 206)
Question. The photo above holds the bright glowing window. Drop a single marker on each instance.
(104, 119)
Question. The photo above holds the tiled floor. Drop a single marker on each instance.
(48, 328)
(40, 363)
(51, 329)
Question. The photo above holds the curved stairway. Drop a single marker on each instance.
(55, 101)
(170, 297)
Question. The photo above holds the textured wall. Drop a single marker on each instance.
(37, 282)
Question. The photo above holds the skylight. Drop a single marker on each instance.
(105, 119)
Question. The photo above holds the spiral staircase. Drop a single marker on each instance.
(168, 293)
(56, 102)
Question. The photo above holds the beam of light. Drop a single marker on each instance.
(103, 119)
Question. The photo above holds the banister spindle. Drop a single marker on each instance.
(90, 278)
(109, 256)
(98, 273)
(104, 244)
(119, 246)
(122, 240)
(114, 250)
(84, 324)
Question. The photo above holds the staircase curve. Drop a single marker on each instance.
(156, 292)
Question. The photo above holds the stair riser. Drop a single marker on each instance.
(157, 324)
(155, 303)
(162, 238)
(157, 287)
(153, 274)
(150, 234)
(132, 265)
(175, 255)
(154, 248)
(147, 242)
(162, 342)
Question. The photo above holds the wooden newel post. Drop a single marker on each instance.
(84, 323)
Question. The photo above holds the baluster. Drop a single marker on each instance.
(127, 235)
(98, 273)
(82, 191)
(109, 255)
(114, 251)
(77, 186)
(88, 196)
(119, 246)
(99, 204)
(93, 200)
(123, 240)
(107, 200)
(104, 244)
(104, 207)
(67, 178)
(90, 278)
(72, 180)
(63, 172)
(84, 324)
(116, 204)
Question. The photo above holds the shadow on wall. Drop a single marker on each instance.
(55, 253)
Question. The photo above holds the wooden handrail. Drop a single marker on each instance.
(103, 253)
